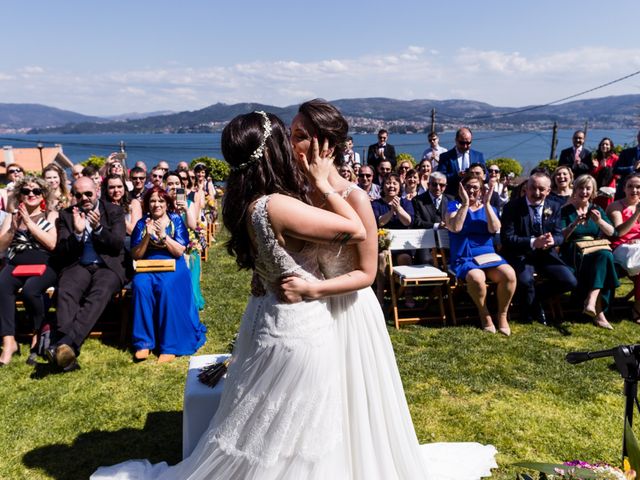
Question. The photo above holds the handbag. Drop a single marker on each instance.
(486, 258)
(36, 270)
(627, 256)
(161, 265)
(585, 247)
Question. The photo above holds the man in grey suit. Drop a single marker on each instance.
(430, 208)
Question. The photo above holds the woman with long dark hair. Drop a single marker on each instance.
(382, 439)
(280, 414)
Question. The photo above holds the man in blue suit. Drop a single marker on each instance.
(454, 162)
(531, 229)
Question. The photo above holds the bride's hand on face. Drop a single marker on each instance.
(320, 164)
(293, 289)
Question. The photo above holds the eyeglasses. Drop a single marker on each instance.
(365, 175)
(14, 170)
(403, 168)
(440, 185)
(464, 142)
(28, 191)
(494, 170)
(137, 179)
(157, 176)
(79, 195)
(383, 169)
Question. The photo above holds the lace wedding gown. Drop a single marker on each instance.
(379, 432)
(280, 414)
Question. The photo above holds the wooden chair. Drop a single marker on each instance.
(415, 276)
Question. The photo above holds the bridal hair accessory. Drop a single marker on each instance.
(259, 152)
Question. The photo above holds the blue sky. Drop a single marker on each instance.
(122, 56)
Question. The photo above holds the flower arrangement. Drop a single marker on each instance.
(384, 239)
(546, 213)
(579, 470)
(197, 239)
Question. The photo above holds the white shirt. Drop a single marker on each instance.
(463, 160)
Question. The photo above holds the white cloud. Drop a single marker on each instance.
(498, 77)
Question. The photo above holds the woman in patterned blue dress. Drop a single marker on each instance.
(472, 223)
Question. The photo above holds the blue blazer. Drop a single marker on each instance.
(449, 166)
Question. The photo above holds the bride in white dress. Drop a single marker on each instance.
(280, 415)
(381, 438)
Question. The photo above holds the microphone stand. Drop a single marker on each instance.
(626, 358)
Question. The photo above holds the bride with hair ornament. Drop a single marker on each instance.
(280, 413)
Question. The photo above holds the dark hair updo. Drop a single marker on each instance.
(274, 171)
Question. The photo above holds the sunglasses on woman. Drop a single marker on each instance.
(28, 191)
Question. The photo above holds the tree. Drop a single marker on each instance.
(549, 164)
(405, 157)
(507, 165)
(94, 161)
(218, 169)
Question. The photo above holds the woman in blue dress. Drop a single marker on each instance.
(164, 313)
(189, 212)
(472, 223)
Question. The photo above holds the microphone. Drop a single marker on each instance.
(579, 357)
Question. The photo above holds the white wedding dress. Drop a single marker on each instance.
(379, 432)
(280, 414)
(313, 392)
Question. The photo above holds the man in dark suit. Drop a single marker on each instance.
(628, 163)
(531, 229)
(89, 254)
(429, 209)
(577, 157)
(381, 151)
(455, 162)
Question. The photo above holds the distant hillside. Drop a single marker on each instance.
(369, 114)
(32, 115)
(138, 116)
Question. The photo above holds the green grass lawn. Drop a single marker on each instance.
(516, 393)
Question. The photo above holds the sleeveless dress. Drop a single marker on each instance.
(379, 431)
(280, 414)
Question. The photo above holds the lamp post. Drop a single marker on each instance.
(40, 146)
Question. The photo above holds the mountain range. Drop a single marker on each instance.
(363, 114)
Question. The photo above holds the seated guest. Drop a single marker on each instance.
(138, 178)
(497, 201)
(383, 169)
(157, 176)
(472, 223)
(628, 163)
(365, 182)
(531, 229)
(596, 273)
(57, 180)
(603, 164)
(561, 185)
(402, 169)
(114, 191)
(14, 173)
(625, 216)
(430, 207)
(89, 255)
(577, 158)
(392, 211)
(116, 168)
(29, 237)
(346, 172)
(410, 186)
(189, 212)
(424, 171)
(164, 313)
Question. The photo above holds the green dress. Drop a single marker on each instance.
(595, 270)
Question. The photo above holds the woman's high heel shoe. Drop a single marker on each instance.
(506, 331)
